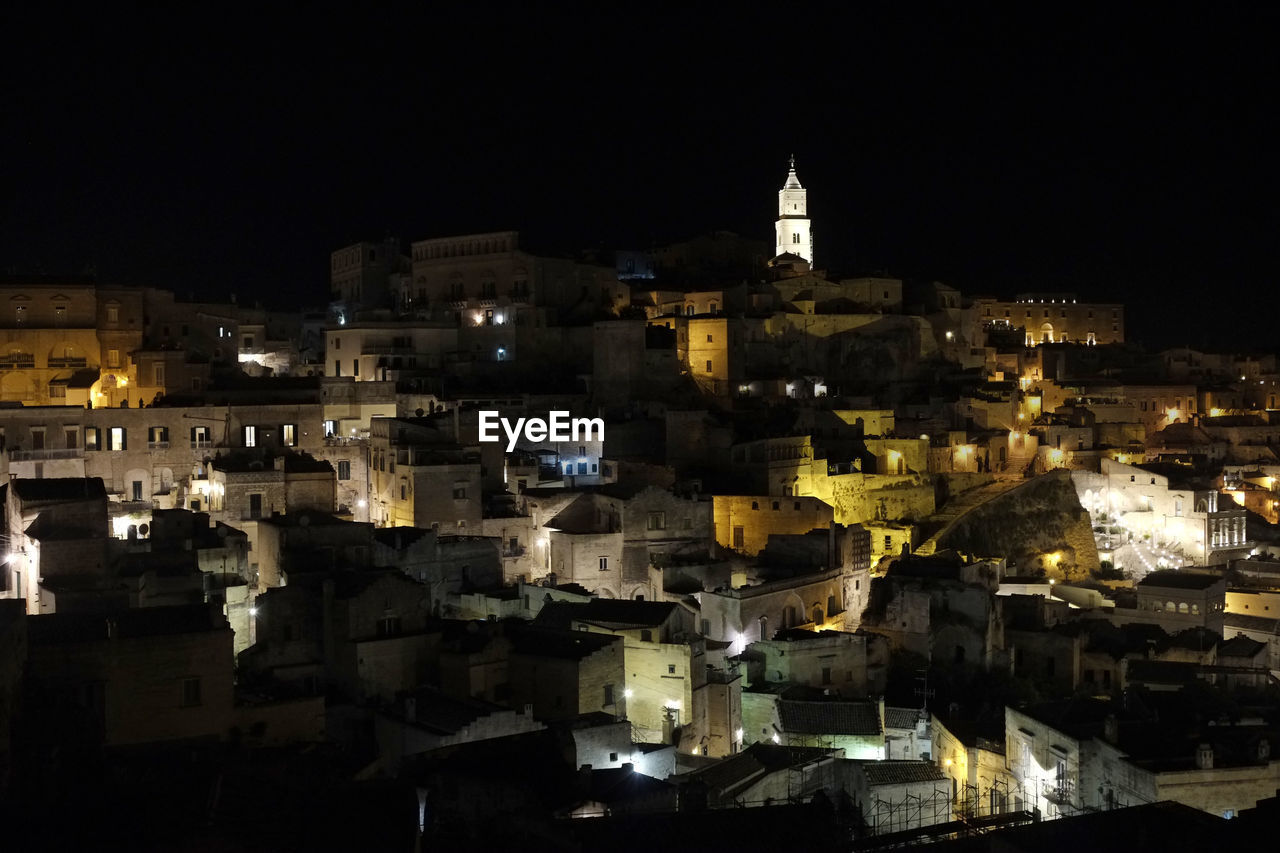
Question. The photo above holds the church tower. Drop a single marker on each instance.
(792, 228)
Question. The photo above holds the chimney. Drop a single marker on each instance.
(1204, 757)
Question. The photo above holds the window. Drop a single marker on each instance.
(657, 521)
(289, 435)
(201, 436)
(190, 692)
(646, 636)
(459, 493)
(388, 626)
(248, 341)
(755, 504)
(71, 436)
(709, 340)
(344, 470)
(158, 372)
(137, 490)
(708, 365)
(92, 438)
(158, 436)
(795, 238)
(113, 358)
(671, 669)
(250, 436)
(118, 439)
(255, 506)
(608, 695)
(826, 675)
(330, 429)
(355, 367)
(604, 564)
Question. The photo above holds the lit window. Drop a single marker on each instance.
(251, 436)
(118, 439)
(113, 358)
(289, 435)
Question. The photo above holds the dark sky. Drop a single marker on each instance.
(1123, 154)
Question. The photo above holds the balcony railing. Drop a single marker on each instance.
(40, 455)
(157, 445)
(17, 361)
(77, 361)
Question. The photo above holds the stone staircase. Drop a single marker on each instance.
(961, 505)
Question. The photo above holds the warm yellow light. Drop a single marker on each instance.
(1215, 412)
(1238, 497)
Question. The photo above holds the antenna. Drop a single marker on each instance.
(923, 691)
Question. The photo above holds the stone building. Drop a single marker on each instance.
(1048, 318)
(130, 677)
(67, 342)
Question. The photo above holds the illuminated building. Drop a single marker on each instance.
(361, 275)
(1050, 318)
(487, 280)
(792, 230)
(67, 342)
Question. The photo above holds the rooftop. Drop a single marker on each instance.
(829, 718)
(900, 772)
(124, 624)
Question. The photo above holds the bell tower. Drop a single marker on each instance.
(792, 228)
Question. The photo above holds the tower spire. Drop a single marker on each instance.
(792, 228)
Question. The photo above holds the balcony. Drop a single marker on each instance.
(1059, 793)
(69, 362)
(157, 445)
(44, 455)
(18, 361)
(518, 551)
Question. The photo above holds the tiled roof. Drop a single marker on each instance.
(829, 718)
(901, 718)
(610, 611)
(1240, 646)
(900, 772)
(60, 489)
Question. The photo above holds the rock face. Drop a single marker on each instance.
(1039, 525)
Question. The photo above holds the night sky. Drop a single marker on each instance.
(1122, 154)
